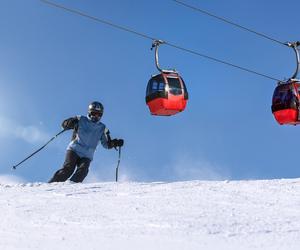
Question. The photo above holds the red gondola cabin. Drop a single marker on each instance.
(166, 94)
(285, 103)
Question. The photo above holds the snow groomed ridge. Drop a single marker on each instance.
(181, 215)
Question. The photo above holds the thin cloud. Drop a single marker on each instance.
(100, 174)
(187, 167)
(31, 134)
(11, 179)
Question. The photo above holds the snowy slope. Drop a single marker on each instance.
(181, 215)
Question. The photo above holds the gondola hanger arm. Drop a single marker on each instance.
(156, 44)
(295, 47)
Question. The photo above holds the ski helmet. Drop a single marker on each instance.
(95, 111)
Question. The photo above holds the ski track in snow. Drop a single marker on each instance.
(179, 215)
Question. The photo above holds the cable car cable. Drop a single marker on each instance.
(152, 38)
(80, 13)
(221, 61)
(229, 22)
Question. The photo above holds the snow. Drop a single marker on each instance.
(262, 214)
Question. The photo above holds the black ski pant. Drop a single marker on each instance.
(72, 160)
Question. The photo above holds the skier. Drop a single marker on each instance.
(88, 132)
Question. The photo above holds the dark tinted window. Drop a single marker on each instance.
(184, 86)
(284, 98)
(175, 86)
(156, 84)
(161, 86)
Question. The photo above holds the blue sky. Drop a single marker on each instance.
(53, 64)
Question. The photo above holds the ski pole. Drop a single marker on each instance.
(15, 166)
(117, 168)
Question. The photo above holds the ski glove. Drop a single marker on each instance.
(116, 143)
(70, 123)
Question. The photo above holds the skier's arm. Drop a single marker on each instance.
(105, 139)
(70, 123)
(108, 143)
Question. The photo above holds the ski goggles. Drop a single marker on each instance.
(96, 113)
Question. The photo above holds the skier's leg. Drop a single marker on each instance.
(68, 167)
(82, 170)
